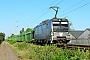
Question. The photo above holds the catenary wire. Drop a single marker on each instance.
(42, 12)
(73, 5)
(75, 9)
(46, 12)
(59, 2)
(39, 14)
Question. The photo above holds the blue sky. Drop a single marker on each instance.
(29, 13)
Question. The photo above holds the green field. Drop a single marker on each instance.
(28, 51)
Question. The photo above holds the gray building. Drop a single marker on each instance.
(80, 37)
(74, 36)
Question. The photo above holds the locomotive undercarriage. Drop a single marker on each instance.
(61, 41)
(41, 42)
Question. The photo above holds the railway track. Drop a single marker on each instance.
(85, 47)
(71, 46)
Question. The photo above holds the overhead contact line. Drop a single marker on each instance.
(75, 9)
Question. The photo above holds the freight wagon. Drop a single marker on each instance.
(79, 37)
(27, 36)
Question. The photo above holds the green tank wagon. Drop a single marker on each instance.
(30, 35)
(27, 35)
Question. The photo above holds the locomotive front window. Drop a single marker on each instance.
(56, 24)
(60, 26)
(64, 25)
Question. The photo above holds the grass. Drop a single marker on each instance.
(28, 51)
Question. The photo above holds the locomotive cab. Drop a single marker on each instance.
(60, 31)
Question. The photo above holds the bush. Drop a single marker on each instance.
(11, 42)
(37, 52)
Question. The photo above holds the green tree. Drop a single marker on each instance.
(28, 29)
(71, 26)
